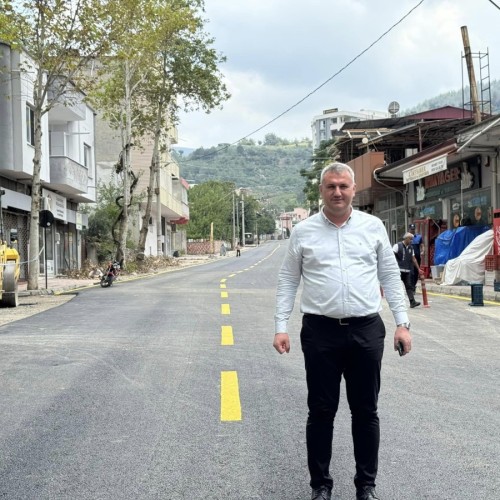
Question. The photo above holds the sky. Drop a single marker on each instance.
(280, 51)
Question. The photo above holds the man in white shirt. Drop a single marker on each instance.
(343, 257)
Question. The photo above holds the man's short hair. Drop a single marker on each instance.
(338, 168)
(408, 235)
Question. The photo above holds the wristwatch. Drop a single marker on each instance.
(406, 325)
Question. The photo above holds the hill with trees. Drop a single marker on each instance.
(269, 170)
(458, 98)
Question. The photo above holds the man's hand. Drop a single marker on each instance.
(282, 343)
(402, 335)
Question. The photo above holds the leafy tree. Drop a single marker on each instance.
(271, 140)
(60, 38)
(323, 155)
(266, 223)
(164, 61)
(103, 218)
(211, 202)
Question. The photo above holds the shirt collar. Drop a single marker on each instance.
(328, 221)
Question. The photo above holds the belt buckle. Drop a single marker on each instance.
(343, 324)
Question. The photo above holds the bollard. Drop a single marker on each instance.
(476, 292)
(424, 292)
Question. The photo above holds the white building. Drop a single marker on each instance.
(68, 173)
(325, 125)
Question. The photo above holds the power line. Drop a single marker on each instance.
(323, 84)
(491, 1)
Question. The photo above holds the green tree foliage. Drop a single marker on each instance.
(211, 202)
(271, 173)
(323, 155)
(102, 218)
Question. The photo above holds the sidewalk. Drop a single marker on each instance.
(489, 293)
(60, 284)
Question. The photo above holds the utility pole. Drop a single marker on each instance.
(233, 242)
(472, 77)
(242, 223)
(238, 221)
(159, 249)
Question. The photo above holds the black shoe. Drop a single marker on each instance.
(321, 493)
(414, 304)
(366, 493)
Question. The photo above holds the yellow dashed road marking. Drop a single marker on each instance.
(227, 335)
(230, 406)
(223, 280)
(224, 295)
(223, 285)
(225, 309)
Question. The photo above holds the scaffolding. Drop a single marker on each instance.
(482, 60)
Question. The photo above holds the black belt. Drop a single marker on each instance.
(355, 320)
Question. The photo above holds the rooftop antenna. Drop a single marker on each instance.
(393, 108)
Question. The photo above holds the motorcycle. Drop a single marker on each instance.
(111, 273)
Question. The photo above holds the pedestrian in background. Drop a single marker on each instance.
(418, 250)
(407, 261)
(238, 249)
(343, 256)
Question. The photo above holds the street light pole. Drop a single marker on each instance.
(242, 223)
(233, 242)
(238, 222)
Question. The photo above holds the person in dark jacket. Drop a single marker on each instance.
(406, 260)
(418, 250)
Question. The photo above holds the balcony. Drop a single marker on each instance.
(68, 106)
(68, 176)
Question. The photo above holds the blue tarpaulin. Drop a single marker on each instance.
(451, 243)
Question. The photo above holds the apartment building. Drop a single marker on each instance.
(165, 229)
(68, 173)
(325, 126)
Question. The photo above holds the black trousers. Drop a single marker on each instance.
(333, 348)
(406, 278)
(414, 273)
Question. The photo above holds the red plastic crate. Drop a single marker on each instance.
(491, 262)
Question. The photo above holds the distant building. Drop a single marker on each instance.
(325, 125)
(287, 220)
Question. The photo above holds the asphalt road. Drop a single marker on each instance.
(117, 394)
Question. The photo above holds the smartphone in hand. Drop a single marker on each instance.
(400, 348)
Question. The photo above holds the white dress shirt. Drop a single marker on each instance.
(342, 269)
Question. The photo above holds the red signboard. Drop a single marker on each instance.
(496, 231)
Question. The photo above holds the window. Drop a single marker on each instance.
(30, 125)
(87, 156)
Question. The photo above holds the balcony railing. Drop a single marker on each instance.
(68, 176)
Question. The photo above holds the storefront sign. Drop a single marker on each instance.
(55, 203)
(452, 175)
(425, 169)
